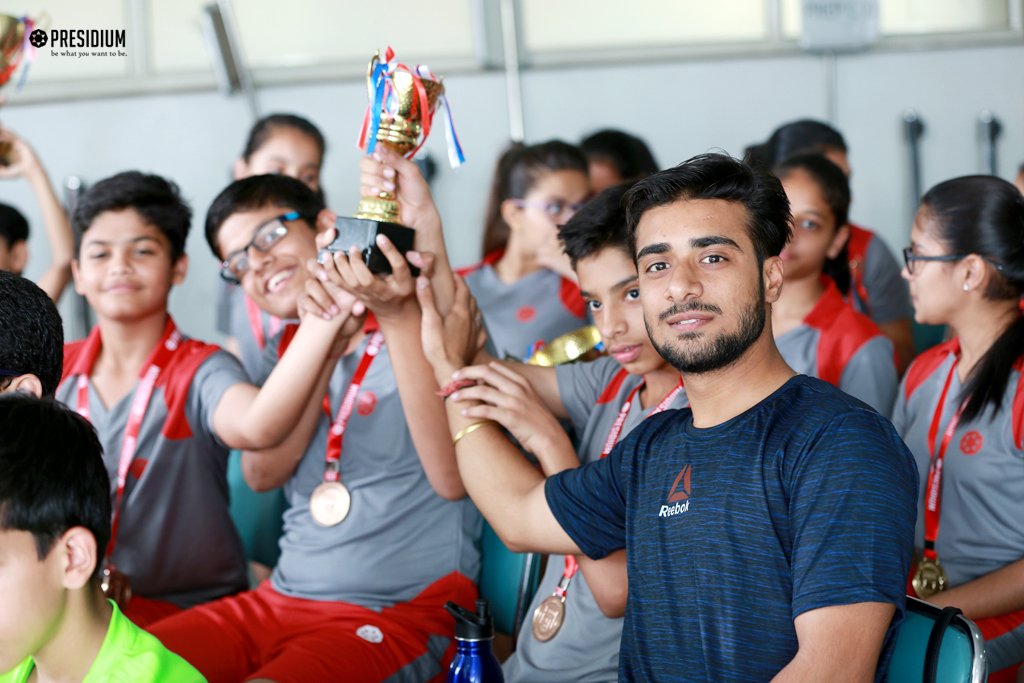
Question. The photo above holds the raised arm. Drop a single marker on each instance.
(252, 418)
(507, 489)
(507, 397)
(24, 162)
(391, 300)
(391, 172)
(270, 468)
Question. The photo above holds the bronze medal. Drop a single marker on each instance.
(548, 618)
(330, 503)
(929, 578)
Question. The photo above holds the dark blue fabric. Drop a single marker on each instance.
(804, 501)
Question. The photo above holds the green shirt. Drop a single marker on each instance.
(128, 655)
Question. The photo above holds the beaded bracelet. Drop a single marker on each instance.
(453, 386)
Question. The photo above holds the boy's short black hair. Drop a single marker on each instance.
(255, 193)
(13, 225)
(717, 176)
(52, 475)
(31, 334)
(599, 224)
(153, 197)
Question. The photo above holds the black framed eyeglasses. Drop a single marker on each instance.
(234, 268)
(909, 257)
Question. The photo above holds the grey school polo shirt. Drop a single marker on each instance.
(177, 541)
(586, 648)
(980, 523)
(539, 307)
(844, 348)
(400, 536)
(888, 297)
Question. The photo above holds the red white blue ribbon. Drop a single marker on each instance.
(456, 157)
(385, 99)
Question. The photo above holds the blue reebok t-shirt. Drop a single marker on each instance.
(804, 501)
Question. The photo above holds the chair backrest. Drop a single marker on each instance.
(961, 657)
(508, 580)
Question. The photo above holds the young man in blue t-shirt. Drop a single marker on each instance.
(768, 527)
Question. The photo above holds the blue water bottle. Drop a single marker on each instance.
(474, 660)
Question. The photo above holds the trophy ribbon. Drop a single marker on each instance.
(386, 97)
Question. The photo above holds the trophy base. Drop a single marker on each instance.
(362, 233)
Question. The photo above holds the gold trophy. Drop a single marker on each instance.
(13, 48)
(402, 105)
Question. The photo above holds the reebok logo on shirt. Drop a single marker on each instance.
(679, 494)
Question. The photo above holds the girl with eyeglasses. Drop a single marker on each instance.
(961, 408)
(818, 333)
(525, 285)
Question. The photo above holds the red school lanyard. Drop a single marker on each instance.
(158, 360)
(933, 496)
(254, 314)
(571, 564)
(336, 435)
(620, 419)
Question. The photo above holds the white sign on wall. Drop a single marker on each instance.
(839, 25)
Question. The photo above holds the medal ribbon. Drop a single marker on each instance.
(933, 491)
(169, 342)
(255, 315)
(572, 565)
(336, 435)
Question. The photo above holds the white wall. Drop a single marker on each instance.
(681, 108)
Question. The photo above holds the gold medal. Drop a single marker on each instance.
(929, 578)
(548, 618)
(330, 503)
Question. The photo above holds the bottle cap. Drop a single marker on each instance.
(470, 626)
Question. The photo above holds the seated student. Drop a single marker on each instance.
(876, 289)
(961, 407)
(21, 161)
(31, 339)
(167, 408)
(359, 589)
(55, 624)
(615, 156)
(768, 526)
(281, 144)
(525, 286)
(605, 399)
(817, 332)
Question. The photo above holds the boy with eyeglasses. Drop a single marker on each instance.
(167, 408)
(378, 534)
